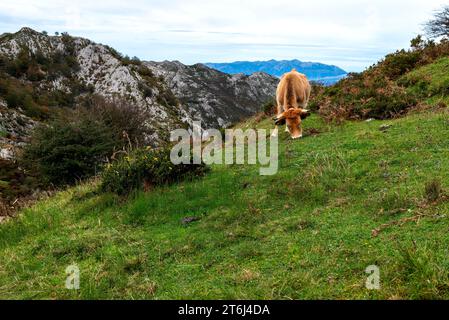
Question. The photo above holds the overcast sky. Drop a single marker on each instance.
(349, 33)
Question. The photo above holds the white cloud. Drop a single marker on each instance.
(349, 33)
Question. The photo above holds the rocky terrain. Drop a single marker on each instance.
(59, 71)
(215, 98)
(39, 73)
(15, 128)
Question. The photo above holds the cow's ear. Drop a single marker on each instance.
(303, 113)
(280, 120)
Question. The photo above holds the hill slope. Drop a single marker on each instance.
(430, 82)
(347, 198)
(313, 70)
(402, 81)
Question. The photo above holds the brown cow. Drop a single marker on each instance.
(292, 97)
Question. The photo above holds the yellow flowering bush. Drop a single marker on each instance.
(145, 168)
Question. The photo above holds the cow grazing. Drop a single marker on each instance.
(292, 97)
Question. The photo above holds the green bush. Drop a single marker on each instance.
(19, 95)
(146, 168)
(167, 98)
(362, 96)
(76, 144)
(14, 182)
(68, 149)
(269, 107)
(399, 63)
(381, 91)
(126, 120)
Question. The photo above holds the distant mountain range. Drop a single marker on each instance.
(319, 72)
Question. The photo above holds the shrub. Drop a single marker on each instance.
(121, 117)
(167, 98)
(144, 169)
(269, 107)
(399, 63)
(20, 64)
(146, 90)
(19, 95)
(145, 72)
(381, 91)
(126, 60)
(317, 91)
(14, 182)
(77, 143)
(362, 96)
(35, 67)
(68, 149)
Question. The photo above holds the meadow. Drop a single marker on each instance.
(346, 196)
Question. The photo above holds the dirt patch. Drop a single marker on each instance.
(312, 132)
(9, 209)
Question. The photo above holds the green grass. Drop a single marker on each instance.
(430, 82)
(305, 233)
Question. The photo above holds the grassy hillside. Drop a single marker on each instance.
(390, 88)
(430, 82)
(345, 197)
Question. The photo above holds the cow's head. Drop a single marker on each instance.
(292, 118)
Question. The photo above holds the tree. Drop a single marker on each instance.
(439, 25)
(418, 43)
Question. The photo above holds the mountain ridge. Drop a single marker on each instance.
(216, 98)
(315, 71)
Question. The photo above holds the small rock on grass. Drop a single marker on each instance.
(385, 127)
(189, 220)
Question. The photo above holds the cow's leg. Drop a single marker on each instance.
(279, 110)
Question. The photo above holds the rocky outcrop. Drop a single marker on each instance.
(15, 129)
(215, 98)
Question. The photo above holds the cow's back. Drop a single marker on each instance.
(293, 91)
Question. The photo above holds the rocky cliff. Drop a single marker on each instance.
(215, 98)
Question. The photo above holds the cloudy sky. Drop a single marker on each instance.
(349, 33)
